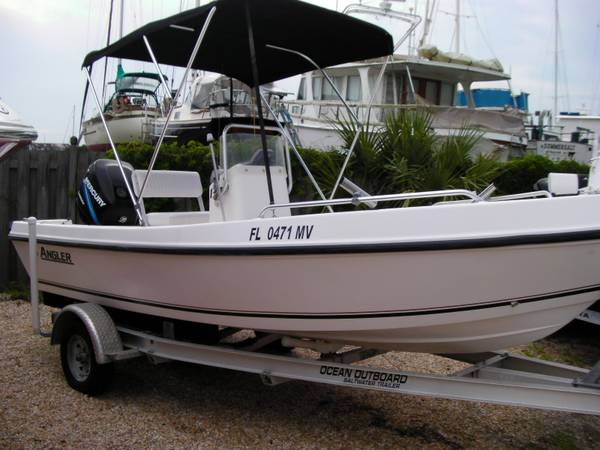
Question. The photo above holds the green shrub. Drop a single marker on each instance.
(519, 175)
(404, 155)
(196, 157)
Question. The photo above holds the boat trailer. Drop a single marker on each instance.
(91, 341)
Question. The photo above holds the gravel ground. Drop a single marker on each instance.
(186, 406)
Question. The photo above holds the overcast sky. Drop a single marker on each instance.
(44, 42)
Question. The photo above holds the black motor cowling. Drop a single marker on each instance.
(102, 198)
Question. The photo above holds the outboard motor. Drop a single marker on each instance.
(102, 198)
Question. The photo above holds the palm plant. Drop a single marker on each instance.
(404, 154)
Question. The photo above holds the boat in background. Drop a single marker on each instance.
(130, 112)
(555, 134)
(427, 80)
(212, 102)
(550, 138)
(14, 133)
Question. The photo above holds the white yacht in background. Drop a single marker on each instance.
(429, 79)
(14, 133)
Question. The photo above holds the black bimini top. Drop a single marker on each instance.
(326, 36)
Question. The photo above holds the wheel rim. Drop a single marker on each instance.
(79, 358)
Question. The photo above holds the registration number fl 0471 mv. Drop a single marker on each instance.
(281, 233)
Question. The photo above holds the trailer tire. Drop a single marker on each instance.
(79, 364)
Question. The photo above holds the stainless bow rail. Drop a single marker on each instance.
(357, 200)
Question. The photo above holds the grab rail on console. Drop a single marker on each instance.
(356, 200)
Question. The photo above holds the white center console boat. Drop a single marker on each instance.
(456, 277)
(461, 274)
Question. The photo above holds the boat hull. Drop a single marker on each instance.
(134, 127)
(410, 313)
(440, 295)
(14, 134)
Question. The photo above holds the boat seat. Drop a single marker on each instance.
(171, 184)
(563, 184)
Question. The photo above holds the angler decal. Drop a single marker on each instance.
(281, 233)
(365, 377)
(96, 196)
(56, 256)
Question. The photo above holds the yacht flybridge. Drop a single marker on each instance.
(466, 273)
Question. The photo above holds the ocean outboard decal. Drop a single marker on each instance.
(56, 256)
(365, 376)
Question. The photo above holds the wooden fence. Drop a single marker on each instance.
(40, 180)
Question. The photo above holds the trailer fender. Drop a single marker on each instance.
(99, 325)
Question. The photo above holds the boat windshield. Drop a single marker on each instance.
(137, 82)
(246, 148)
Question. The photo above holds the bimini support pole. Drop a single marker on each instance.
(329, 80)
(136, 203)
(351, 149)
(296, 152)
(261, 121)
(341, 97)
(160, 75)
(174, 100)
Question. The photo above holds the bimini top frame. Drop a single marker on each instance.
(244, 41)
(284, 23)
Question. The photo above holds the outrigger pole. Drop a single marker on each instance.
(261, 121)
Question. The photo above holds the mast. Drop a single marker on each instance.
(457, 34)
(554, 119)
(121, 24)
(427, 24)
(106, 59)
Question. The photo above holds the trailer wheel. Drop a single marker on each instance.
(79, 364)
